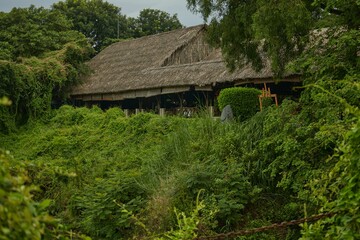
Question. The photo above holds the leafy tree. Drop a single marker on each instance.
(40, 57)
(246, 29)
(153, 21)
(33, 83)
(26, 32)
(98, 20)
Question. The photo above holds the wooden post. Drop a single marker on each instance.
(140, 103)
(158, 103)
(211, 111)
(126, 111)
(162, 112)
(181, 99)
(207, 99)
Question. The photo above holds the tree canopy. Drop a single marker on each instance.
(245, 30)
(40, 57)
(32, 31)
(152, 21)
(102, 22)
(98, 20)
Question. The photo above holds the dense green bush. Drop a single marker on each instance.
(21, 217)
(337, 190)
(243, 101)
(19, 214)
(108, 205)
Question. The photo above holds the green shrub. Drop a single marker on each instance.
(107, 205)
(21, 217)
(18, 214)
(338, 191)
(68, 115)
(114, 113)
(243, 101)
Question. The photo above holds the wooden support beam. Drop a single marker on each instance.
(141, 103)
(211, 111)
(158, 103)
(162, 112)
(181, 99)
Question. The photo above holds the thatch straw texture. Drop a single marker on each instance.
(177, 58)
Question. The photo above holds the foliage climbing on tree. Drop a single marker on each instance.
(41, 56)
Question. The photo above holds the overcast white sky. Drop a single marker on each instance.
(128, 7)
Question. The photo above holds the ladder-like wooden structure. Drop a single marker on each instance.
(266, 93)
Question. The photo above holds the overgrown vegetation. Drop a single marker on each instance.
(34, 83)
(20, 216)
(77, 171)
(112, 177)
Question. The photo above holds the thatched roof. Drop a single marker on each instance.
(177, 58)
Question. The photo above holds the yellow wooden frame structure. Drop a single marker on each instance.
(266, 93)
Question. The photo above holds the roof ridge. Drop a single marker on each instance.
(157, 34)
(149, 37)
(184, 44)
